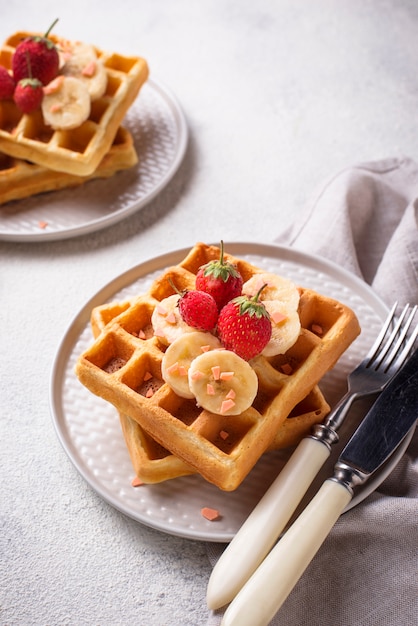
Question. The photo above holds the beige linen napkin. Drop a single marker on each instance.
(365, 218)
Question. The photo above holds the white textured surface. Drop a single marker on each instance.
(278, 96)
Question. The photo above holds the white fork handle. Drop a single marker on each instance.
(266, 522)
(264, 593)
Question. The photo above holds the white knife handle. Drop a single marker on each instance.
(263, 526)
(264, 593)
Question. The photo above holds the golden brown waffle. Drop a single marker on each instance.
(78, 151)
(117, 363)
(152, 463)
(21, 179)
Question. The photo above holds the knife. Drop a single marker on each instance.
(269, 518)
(385, 426)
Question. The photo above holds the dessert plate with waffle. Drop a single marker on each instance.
(161, 456)
(58, 182)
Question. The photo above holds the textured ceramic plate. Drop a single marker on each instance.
(89, 430)
(159, 130)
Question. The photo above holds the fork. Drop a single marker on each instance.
(269, 518)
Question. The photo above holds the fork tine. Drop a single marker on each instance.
(403, 335)
(379, 339)
(392, 337)
(401, 357)
(392, 353)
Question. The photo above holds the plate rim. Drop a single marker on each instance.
(80, 319)
(95, 225)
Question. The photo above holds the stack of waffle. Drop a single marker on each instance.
(169, 436)
(36, 158)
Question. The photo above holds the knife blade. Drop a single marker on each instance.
(386, 424)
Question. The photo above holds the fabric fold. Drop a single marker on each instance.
(365, 219)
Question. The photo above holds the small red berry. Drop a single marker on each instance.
(221, 279)
(244, 326)
(7, 84)
(28, 94)
(198, 309)
(43, 56)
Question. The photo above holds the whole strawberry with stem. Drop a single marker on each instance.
(220, 279)
(7, 84)
(29, 93)
(198, 309)
(244, 326)
(44, 58)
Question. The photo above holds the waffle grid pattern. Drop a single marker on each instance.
(118, 361)
(80, 150)
(21, 179)
(153, 463)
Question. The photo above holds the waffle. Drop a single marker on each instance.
(115, 365)
(152, 463)
(21, 179)
(78, 151)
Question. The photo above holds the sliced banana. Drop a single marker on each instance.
(285, 327)
(81, 62)
(278, 288)
(222, 382)
(167, 322)
(179, 355)
(66, 103)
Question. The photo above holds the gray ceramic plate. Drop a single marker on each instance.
(159, 130)
(89, 430)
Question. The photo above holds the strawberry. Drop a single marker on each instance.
(198, 309)
(44, 59)
(244, 326)
(28, 94)
(221, 279)
(7, 84)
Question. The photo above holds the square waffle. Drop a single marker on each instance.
(119, 360)
(21, 179)
(78, 151)
(152, 463)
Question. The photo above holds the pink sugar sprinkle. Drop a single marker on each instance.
(173, 368)
(90, 69)
(210, 514)
(227, 405)
(226, 375)
(171, 318)
(136, 482)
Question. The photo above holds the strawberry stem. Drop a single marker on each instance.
(220, 268)
(178, 292)
(28, 64)
(257, 295)
(50, 28)
(221, 258)
(251, 305)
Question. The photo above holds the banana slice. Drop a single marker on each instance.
(167, 322)
(81, 62)
(285, 327)
(222, 382)
(66, 103)
(278, 288)
(179, 355)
